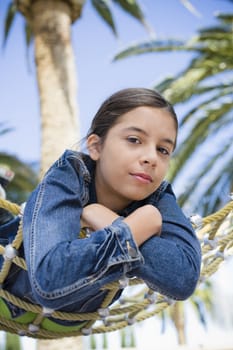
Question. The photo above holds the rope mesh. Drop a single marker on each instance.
(137, 302)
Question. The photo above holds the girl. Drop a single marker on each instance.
(118, 193)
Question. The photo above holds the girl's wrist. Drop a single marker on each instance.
(97, 216)
(144, 223)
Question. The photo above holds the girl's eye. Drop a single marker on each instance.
(164, 151)
(133, 139)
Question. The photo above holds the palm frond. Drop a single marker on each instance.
(218, 194)
(212, 94)
(202, 170)
(213, 191)
(221, 89)
(4, 129)
(202, 129)
(191, 7)
(213, 31)
(131, 7)
(104, 11)
(204, 178)
(184, 84)
(10, 16)
(24, 181)
(226, 18)
(28, 33)
(152, 46)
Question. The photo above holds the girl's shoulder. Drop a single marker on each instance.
(69, 155)
(72, 162)
(75, 158)
(165, 188)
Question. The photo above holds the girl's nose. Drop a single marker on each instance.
(150, 157)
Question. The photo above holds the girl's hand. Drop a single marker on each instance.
(144, 223)
(96, 216)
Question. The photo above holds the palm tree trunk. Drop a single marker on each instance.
(179, 322)
(12, 342)
(72, 343)
(56, 76)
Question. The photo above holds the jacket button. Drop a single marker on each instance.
(132, 252)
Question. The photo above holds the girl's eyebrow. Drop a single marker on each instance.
(136, 129)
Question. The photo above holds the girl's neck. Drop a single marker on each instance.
(112, 204)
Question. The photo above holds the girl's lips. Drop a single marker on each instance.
(142, 177)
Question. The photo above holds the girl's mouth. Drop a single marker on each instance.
(142, 177)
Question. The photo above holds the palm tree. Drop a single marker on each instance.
(202, 174)
(25, 178)
(24, 181)
(203, 92)
(25, 175)
(202, 166)
(49, 23)
(12, 342)
(201, 301)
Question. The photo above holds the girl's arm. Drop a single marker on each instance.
(172, 260)
(62, 268)
(144, 222)
(170, 249)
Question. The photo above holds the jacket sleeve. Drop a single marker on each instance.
(59, 263)
(173, 259)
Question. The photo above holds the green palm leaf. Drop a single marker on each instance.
(132, 8)
(190, 7)
(152, 46)
(28, 33)
(210, 196)
(4, 129)
(10, 16)
(24, 181)
(104, 11)
(202, 129)
(206, 84)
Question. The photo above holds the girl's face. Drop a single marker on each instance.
(132, 161)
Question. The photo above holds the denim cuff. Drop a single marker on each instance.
(129, 248)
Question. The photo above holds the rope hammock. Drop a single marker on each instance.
(137, 303)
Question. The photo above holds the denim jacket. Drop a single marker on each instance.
(66, 272)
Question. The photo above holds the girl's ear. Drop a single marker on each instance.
(94, 146)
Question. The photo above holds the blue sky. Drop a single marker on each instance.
(94, 47)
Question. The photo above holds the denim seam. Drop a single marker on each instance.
(160, 290)
(78, 285)
(32, 238)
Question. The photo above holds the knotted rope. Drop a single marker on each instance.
(137, 303)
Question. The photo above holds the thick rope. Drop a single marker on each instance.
(215, 233)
